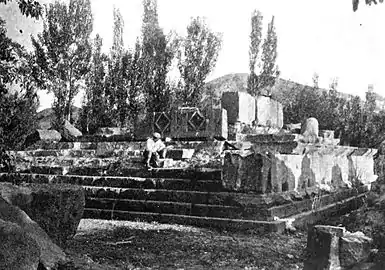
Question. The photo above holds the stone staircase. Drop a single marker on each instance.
(118, 186)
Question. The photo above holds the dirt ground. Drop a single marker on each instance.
(139, 245)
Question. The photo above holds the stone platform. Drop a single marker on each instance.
(186, 190)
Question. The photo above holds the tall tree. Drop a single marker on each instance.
(196, 59)
(63, 51)
(94, 114)
(18, 98)
(269, 71)
(116, 92)
(117, 42)
(158, 51)
(255, 41)
(134, 78)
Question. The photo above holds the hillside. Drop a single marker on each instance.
(46, 116)
(238, 82)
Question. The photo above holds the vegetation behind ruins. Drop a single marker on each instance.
(122, 86)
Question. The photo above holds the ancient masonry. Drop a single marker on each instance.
(232, 167)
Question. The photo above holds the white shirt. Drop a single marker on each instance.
(154, 146)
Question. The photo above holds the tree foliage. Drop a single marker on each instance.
(158, 51)
(260, 82)
(196, 59)
(356, 122)
(269, 71)
(94, 114)
(63, 52)
(255, 41)
(18, 98)
(29, 8)
(368, 2)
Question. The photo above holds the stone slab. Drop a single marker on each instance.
(178, 208)
(240, 107)
(268, 112)
(258, 227)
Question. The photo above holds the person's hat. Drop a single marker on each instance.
(156, 135)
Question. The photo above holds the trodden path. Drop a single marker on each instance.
(103, 244)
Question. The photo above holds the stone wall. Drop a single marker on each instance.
(186, 123)
(286, 165)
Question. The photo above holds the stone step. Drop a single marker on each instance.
(49, 145)
(55, 153)
(117, 182)
(294, 208)
(308, 218)
(239, 225)
(176, 208)
(125, 145)
(117, 170)
(266, 211)
(176, 154)
(130, 162)
(186, 196)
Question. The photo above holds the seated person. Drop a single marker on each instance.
(155, 149)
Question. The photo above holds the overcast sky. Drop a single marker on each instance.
(322, 36)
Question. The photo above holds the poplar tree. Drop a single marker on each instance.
(197, 59)
(115, 90)
(63, 52)
(94, 114)
(158, 51)
(269, 71)
(254, 49)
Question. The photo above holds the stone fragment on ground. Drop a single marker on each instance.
(50, 253)
(18, 250)
(57, 208)
(331, 248)
(43, 135)
(354, 248)
(69, 132)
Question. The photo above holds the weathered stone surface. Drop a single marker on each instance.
(323, 247)
(112, 131)
(240, 107)
(242, 171)
(43, 135)
(354, 248)
(50, 253)
(268, 112)
(310, 131)
(56, 208)
(18, 250)
(69, 132)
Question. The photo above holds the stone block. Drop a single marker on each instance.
(112, 131)
(242, 171)
(18, 250)
(56, 208)
(268, 112)
(323, 248)
(50, 254)
(43, 135)
(354, 248)
(240, 107)
(69, 132)
(310, 131)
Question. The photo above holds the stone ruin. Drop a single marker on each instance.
(232, 166)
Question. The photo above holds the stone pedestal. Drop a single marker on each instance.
(323, 248)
